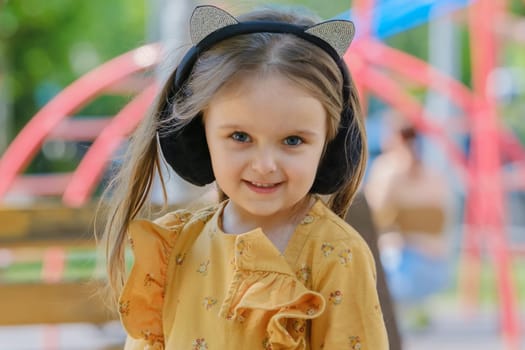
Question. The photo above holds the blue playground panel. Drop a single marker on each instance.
(391, 17)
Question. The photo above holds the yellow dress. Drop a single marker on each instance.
(195, 287)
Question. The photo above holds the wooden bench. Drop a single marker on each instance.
(39, 229)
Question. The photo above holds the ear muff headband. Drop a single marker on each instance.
(186, 65)
(186, 150)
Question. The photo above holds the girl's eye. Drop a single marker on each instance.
(293, 141)
(240, 136)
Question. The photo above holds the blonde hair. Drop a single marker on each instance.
(305, 64)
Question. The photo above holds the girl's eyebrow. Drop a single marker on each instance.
(231, 126)
(304, 132)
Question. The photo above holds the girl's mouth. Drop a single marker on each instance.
(261, 187)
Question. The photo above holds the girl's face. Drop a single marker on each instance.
(266, 137)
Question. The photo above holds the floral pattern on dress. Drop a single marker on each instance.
(199, 344)
(148, 280)
(345, 256)
(203, 268)
(240, 247)
(304, 273)
(209, 302)
(327, 249)
(123, 308)
(299, 326)
(336, 297)
(155, 341)
(355, 343)
(312, 309)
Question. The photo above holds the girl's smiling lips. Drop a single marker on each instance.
(262, 187)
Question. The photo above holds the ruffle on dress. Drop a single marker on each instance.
(263, 280)
(142, 298)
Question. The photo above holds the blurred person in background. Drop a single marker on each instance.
(409, 205)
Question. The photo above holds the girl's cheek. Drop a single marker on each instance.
(236, 157)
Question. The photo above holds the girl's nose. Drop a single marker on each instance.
(264, 162)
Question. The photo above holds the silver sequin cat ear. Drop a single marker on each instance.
(337, 33)
(208, 19)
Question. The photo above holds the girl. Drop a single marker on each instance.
(264, 106)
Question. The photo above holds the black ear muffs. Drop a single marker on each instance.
(186, 149)
(343, 154)
(341, 158)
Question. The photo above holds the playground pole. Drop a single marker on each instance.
(487, 187)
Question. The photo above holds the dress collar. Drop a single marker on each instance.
(255, 251)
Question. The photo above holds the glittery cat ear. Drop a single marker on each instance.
(337, 33)
(207, 19)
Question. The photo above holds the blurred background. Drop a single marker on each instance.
(443, 90)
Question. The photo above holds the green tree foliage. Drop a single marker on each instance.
(48, 44)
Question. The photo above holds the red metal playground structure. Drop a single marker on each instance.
(373, 65)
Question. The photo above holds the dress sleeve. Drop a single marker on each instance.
(142, 298)
(347, 280)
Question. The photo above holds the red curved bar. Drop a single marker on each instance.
(40, 185)
(92, 166)
(417, 70)
(390, 92)
(71, 99)
(486, 164)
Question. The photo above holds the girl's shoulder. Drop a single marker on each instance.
(181, 217)
(174, 219)
(166, 230)
(330, 227)
(335, 243)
